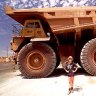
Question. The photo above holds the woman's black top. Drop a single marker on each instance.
(71, 68)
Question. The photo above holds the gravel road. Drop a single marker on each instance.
(13, 84)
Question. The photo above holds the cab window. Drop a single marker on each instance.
(33, 25)
(30, 25)
(37, 25)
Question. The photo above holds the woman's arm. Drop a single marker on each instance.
(65, 66)
(66, 70)
(76, 67)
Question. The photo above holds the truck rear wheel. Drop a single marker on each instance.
(88, 57)
(36, 60)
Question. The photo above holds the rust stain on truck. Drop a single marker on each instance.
(47, 36)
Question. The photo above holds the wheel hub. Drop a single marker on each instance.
(36, 60)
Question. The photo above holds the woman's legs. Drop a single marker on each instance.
(71, 83)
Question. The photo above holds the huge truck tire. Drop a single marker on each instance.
(88, 57)
(36, 60)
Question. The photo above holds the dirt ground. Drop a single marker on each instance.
(13, 84)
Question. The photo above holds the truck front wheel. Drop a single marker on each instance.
(88, 57)
(36, 60)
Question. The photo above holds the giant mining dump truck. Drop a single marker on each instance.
(45, 37)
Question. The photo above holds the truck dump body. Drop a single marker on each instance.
(59, 19)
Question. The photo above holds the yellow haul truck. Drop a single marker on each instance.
(45, 37)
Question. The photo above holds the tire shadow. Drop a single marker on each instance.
(77, 89)
(81, 71)
(60, 71)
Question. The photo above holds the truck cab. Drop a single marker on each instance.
(32, 28)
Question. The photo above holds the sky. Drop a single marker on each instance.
(6, 22)
(4, 31)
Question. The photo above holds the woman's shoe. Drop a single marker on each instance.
(69, 91)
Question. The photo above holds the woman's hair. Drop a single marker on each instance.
(70, 57)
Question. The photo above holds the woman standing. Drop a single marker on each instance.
(70, 68)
